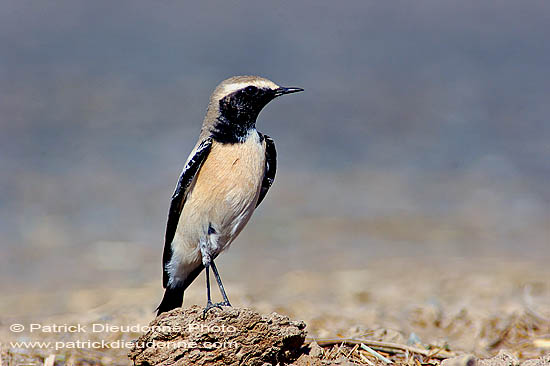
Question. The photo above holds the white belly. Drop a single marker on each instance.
(219, 204)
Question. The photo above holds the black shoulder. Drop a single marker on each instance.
(270, 167)
(178, 200)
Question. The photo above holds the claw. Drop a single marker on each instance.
(210, 306)
(223, 303)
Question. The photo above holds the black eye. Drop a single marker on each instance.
(250, 90)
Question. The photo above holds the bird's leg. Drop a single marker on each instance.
(209, 304)
(220, 285)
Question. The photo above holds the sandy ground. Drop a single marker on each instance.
(465, 306)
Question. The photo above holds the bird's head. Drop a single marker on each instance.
(237, 101)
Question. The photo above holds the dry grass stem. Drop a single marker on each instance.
(392, 348)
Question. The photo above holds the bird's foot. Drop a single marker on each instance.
(210, 306)
(223, 303)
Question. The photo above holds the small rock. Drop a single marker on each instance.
(315, 350)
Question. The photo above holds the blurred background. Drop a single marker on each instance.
(422, 135)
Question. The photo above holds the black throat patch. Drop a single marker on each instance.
(238, 114)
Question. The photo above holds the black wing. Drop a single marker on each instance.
(178, 200)
(270, 167)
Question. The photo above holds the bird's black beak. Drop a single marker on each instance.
(281, 91)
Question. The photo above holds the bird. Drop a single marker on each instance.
(226, 176)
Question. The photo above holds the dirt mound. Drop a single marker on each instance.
(232, 336)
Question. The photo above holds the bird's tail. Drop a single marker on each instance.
(173, 298)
